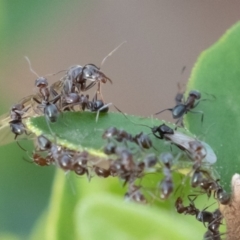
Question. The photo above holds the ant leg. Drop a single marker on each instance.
(99, 110)
(89, 86)
(100, 92)
(21, 146)
(169, 109)
(198, 112)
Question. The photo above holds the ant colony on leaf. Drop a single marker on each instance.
(132, 157)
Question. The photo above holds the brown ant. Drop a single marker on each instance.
(202, 179)
(40, 160)
(141, 139)
(102, 172)
(43, 145)
(124, 166)
(134, 194)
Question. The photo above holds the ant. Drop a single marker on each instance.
(40, 160)
(77, 76)
(183, 107)
(125, 167)
(202, 179)
(166, 185)
(16, 124)
(95, 105)
(80, 161)
(213, 219)
(43, 145)
(50, 110)
(134, 194)
(195, 149)
(150, 160)
(141, 139)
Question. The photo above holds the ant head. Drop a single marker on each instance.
(90, 71)
(41, 82)
(164, 129)
(196, 94)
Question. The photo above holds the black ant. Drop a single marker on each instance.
(95, 105)
(77, 76)
(212, 219)
(183, 107)
(16, 124)
(50, 110)
(194, 148)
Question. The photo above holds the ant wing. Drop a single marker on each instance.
(57, 86)
(211, 157)
(180, 140)
(6, 136)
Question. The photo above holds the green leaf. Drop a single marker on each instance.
(79, 130)
(80, 209)
(217, 72)
(111, 218)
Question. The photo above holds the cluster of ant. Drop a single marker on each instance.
(127, 163)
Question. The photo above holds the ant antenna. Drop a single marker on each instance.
(30, 66)
(139, 124)
(114, 50)
(53, 74)
(183, 69)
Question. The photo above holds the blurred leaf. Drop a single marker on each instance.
(111, 218)
(85, 210)
(217, 73)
